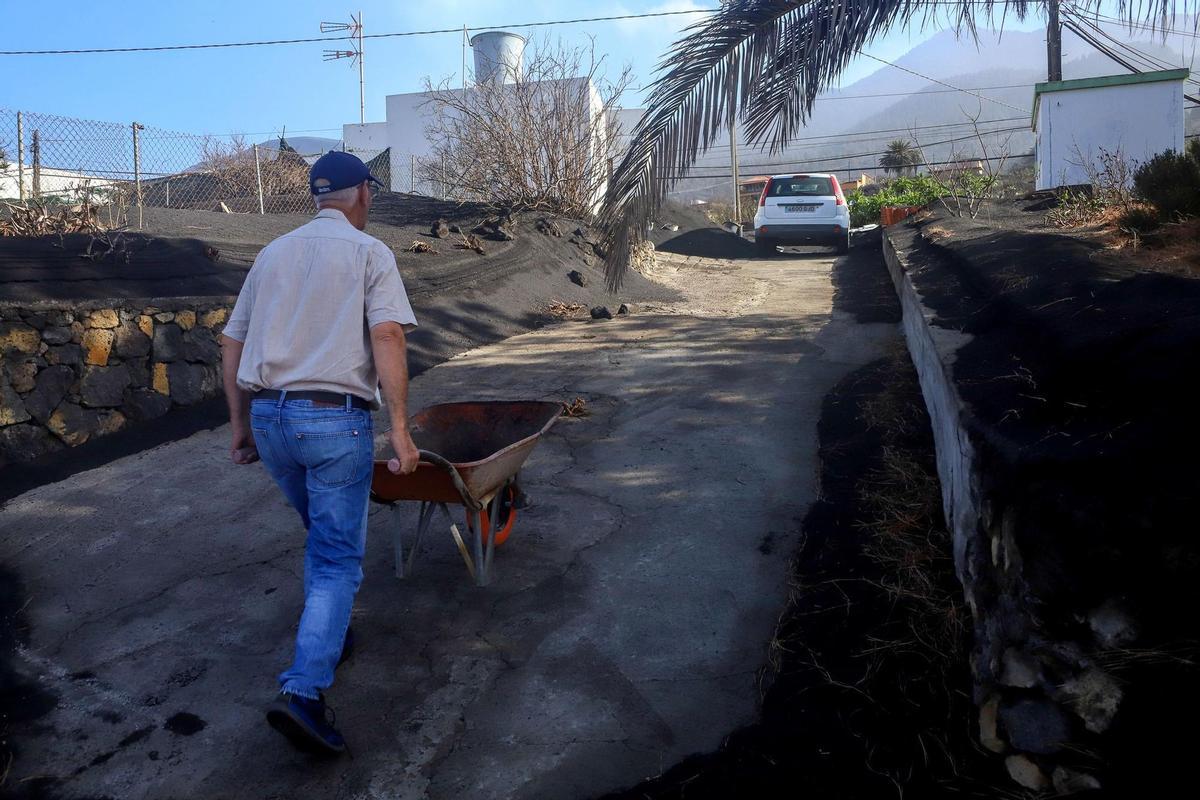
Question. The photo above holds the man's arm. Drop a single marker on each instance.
(242, 450)
(391, 361)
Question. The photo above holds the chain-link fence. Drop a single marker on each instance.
(53, 159)
(60, 159)
(410, 173)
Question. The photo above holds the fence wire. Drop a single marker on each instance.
(52, 159)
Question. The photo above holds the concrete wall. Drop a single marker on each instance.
(1138, 120)
(72, 371)
(1033, 688)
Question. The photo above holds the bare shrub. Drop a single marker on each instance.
(544, 142)
(100, 212)
(1075, 207)
(230, 166)
(1112, 178)
(965, 187)
(719, 212)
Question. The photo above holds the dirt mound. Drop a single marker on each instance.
(43, 268)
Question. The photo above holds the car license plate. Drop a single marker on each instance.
(800, 209)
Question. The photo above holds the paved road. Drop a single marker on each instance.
(629, 616)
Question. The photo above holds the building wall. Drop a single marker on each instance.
(55, 182)
(1074, 126)
(365, 141)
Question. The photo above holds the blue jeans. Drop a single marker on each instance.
(321, 457)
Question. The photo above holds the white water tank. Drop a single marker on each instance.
(498, 56)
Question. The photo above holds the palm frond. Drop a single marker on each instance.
(763, 62)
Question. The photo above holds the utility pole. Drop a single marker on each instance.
(355, 29)
(1053, 43)
(465, 44)
(733, 160)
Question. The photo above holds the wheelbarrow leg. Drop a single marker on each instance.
(462, 547)
(477, 539)
(424, 518)
(497, 503)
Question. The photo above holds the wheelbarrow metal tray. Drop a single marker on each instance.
(487, 442)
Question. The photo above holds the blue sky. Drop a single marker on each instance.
(262, 89)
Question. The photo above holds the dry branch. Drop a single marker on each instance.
(543, 142)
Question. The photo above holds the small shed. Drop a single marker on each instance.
(1076, 122)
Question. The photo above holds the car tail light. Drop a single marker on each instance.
(762, 200)
(839, 198)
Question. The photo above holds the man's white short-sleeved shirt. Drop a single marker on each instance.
(306, 309)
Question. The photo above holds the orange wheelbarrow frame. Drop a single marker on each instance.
(486, 444)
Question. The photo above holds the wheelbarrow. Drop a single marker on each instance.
(471, 455)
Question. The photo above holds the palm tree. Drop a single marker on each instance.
(763, 62)
(902, 156)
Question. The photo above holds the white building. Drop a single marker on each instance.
(1136, 116)
(68, 185)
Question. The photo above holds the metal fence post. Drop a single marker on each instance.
(20, 157)
(412, 174)
(258, 177)
(137, 170)
(167, 184)
(37, 163)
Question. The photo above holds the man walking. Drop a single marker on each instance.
(318, 329)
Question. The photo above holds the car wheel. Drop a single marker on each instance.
(843, 244)
(765, 247)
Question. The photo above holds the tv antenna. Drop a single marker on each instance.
(354, 31)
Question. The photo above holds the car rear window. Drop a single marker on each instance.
(805, 186)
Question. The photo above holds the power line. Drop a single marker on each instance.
(1146, 60)
(861, 168)
(1079, 31)
(859, 137)
(925, 91)
(826, 159)
(943, 83)
(268, 42)
(896, 94)
(862, 136)
(1095, 15)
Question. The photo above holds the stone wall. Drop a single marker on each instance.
(73, 371)
(1042, 698)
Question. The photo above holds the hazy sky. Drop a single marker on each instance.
(261, 89)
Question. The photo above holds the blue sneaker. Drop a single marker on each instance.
(307, 724)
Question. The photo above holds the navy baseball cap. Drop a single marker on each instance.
(337, 170)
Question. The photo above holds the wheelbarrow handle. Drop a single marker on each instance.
(433, 458)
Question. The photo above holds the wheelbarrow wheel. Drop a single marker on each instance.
(508, 516)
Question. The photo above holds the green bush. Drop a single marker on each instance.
(918, 190)
(1171, 183)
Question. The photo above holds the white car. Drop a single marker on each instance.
(802, 209)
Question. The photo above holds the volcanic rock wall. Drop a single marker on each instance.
(73, 371)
